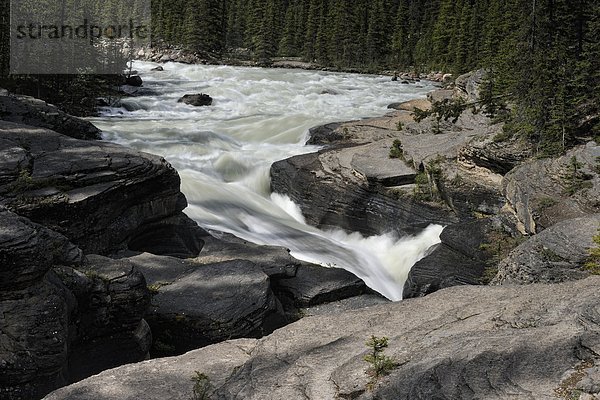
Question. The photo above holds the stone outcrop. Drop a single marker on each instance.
(232, 290)
(546, 191)
(31, 111)
(518, 342)
(100, 195)
(468, 86)
(556, 254)
(327, 199)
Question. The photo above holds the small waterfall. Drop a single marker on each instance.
(224, 152)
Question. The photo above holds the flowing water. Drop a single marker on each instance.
(223, 154)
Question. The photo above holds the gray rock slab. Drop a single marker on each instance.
(374, 163)
(463, 342)
(556, 254)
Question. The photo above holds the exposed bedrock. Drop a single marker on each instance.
(328, 200)
(473, 342)
(544, 192)
(34, 112)
(233, 289)
(556, 254)
(58, 324)
(101, 196)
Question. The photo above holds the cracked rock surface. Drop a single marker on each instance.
(519, 342)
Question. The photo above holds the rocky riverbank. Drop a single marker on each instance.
(393, 174)
(100, 266)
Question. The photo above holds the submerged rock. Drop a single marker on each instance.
(481, 342)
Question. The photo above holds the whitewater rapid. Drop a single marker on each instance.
(223, 154)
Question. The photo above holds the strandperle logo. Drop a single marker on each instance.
(84, 31)
(76, 37)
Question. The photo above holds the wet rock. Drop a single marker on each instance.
(555, 255)
(196, 100)
(134, 80)
(31, 111)
(159, 69)
(525, 339)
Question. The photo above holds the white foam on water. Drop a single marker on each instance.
(224, 152)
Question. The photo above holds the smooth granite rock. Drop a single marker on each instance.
(471, 342)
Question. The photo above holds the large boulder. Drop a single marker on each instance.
(196, 304)
(472, 342)
(31, 111)
(555, 255)
(457, 260)
(101, 196)
(233, 289)
(134, 80)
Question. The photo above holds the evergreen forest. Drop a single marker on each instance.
(542, 57)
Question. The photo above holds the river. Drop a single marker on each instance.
(223, 154)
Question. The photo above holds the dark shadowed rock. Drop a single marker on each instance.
(555, 255)
(328, 200)
(313, 284)
(134, 80)
(199, 304)
(176, 236)
(159, 69)
(35, 310)
(97, 194)
(472, 342)
(196, 100)
(108, 328)
(457, 260)
(31, 111)
(324, 134)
